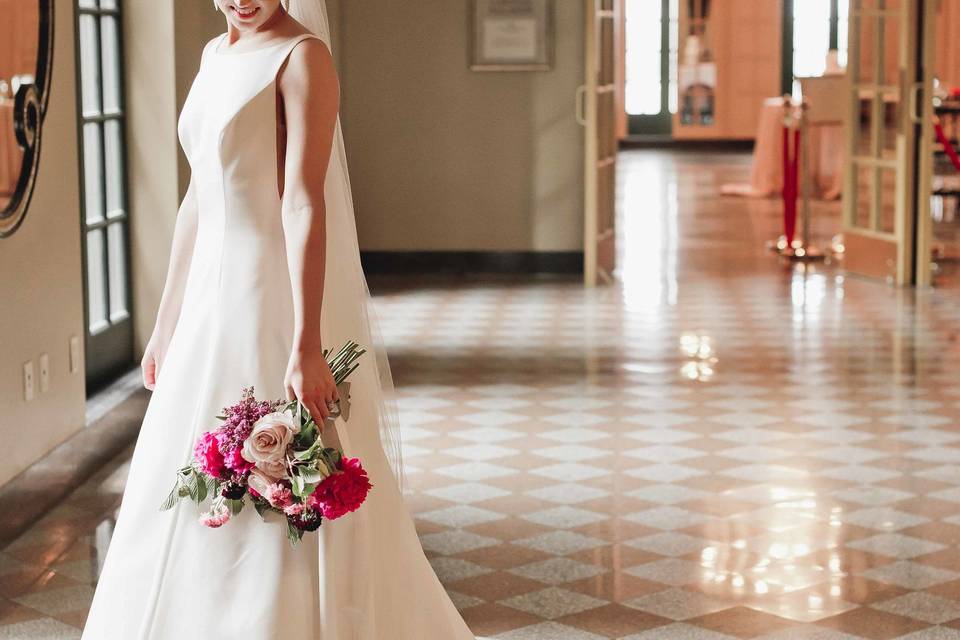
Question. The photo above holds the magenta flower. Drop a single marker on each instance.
(343, 492)
(236, 463)
(208, 456)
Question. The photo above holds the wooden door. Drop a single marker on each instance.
(880, 171)
(598, 115)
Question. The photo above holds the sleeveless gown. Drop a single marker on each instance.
(167, 577)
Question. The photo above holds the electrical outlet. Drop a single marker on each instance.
(74, 354)
(44, 373)
(28, 381)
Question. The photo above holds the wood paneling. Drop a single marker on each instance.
(948, 43)
(744, 36)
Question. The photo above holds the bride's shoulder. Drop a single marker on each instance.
(212, 43)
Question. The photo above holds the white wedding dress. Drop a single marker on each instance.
(166, 577)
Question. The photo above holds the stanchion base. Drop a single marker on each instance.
(795, 251)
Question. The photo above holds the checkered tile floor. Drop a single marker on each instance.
(719, 447)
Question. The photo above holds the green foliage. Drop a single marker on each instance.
(235, 506)
(293, 534)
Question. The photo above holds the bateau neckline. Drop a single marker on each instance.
(227, 54)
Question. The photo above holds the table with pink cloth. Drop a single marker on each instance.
(825, 147)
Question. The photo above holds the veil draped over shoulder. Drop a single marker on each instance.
(344, 250)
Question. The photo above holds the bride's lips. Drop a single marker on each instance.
(245, 14)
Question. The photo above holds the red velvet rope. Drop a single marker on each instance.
(791, 174)
(947, 146)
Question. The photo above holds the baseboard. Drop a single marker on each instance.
(513, 262)
(668, 142)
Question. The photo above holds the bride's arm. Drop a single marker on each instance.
(310, 92)
(181, 253)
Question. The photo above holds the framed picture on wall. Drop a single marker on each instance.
(511, 35)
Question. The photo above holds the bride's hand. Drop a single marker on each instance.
(309, 379)
(153, 356)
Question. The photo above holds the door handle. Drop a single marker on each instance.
(914, 103)
(580, 106)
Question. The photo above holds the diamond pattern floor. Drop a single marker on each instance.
(719, 447)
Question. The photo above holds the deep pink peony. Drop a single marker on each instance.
(343, 492)
(208, 456)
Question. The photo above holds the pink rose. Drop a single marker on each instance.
(208, 456)
(267, 444)
(260, 483)
(343, 492)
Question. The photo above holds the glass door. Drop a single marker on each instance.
(651, 65)
(109, 334)
(882, 136)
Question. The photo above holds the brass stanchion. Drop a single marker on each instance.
(795, 248)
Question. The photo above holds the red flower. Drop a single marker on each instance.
(343, 492)
(208, 456)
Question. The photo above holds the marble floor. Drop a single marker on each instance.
(720, 446)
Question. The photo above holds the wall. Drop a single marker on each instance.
(442, 158)
(41, 291)
(158, 173)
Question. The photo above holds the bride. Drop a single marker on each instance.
(264, 274)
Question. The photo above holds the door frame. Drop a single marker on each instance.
(109, 351)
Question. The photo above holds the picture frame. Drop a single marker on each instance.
(511, 35)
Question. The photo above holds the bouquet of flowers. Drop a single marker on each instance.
(272, 452)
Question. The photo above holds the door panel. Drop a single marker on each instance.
(881, 167)
(602, 25)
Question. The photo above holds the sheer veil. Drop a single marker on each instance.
(342, 242)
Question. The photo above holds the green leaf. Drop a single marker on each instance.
(235, 506)
(293, 534)
(312, 476)
(201, 489)
(172, 499)
(298, 485)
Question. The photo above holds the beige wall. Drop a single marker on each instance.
(41, 291)
(442, 158)
(157, 87)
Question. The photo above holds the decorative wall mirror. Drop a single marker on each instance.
(26, 55)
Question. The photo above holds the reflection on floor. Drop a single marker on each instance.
(723, 446)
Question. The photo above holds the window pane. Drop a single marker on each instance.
(643, 56)
(843, 33)
(110, 4)
(118, 271)
(96, 285)
(88, 4)
(811, 37)
(93, 171)
(113, 144)
(90, 65)
(110, 60)
(674, 90)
